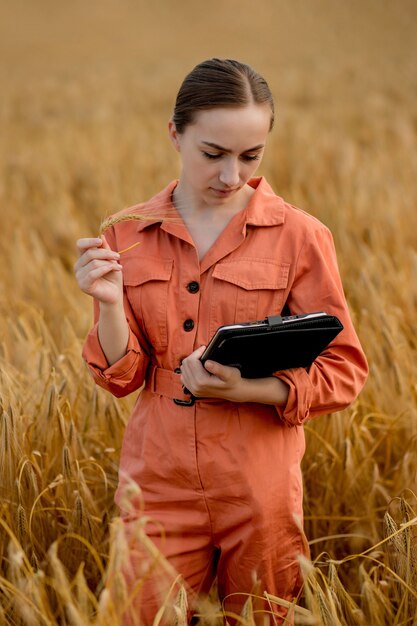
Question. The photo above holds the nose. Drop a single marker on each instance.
(229, 174)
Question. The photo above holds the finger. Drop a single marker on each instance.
(191, 359)
(199, 352)
(88, 242)
(96, 254)
(106, 269)
(104, 243)
(196, 354)
(87, 278)
(98, 264)
(224, 372)
(192, 371)
(213, 367)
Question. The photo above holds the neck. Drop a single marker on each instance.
(187, 204)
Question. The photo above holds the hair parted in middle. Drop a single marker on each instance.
(219, 83)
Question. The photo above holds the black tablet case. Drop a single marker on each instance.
(275, 345)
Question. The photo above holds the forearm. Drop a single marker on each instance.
(113, 331)
(268, 390)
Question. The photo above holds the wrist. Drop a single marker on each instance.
(269, 390)
(111, 307)
(251, 389)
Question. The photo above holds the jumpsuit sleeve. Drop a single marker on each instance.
(128, 373)
(336, 377)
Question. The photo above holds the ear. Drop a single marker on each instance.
(174, 135)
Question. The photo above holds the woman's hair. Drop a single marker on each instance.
(219, 83)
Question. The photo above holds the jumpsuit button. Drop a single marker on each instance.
(193, 286)
(177, 370)
(188, 325)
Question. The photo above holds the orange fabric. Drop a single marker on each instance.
(220, 475)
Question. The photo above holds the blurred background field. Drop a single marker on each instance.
(86, 90)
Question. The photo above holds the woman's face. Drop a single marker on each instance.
(220, 152)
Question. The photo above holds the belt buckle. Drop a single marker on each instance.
(189, 402)
(179, 402)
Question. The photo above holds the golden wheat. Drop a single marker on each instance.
(80, 144)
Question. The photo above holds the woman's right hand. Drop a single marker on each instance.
(98, 271)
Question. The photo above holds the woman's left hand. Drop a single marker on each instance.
(211, 380)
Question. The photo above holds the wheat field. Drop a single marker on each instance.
(86, 91)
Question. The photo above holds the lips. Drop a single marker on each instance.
(224, 192)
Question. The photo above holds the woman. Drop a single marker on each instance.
(220, 475)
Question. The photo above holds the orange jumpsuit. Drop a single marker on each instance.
(223, 478)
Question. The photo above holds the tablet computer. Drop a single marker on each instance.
(276, 343)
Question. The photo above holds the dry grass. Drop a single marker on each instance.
(82, 135)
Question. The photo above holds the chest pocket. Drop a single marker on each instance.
(146, 282)
(247, 289)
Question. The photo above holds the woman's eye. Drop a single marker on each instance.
(244, 157)
(249, 157)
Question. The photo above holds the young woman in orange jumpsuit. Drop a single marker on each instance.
(219, 474)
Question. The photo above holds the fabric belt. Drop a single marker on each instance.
(167, 383)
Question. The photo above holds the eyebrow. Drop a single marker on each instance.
(217, 147)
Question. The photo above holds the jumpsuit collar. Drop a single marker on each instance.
(264, 209)
(161, 203)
